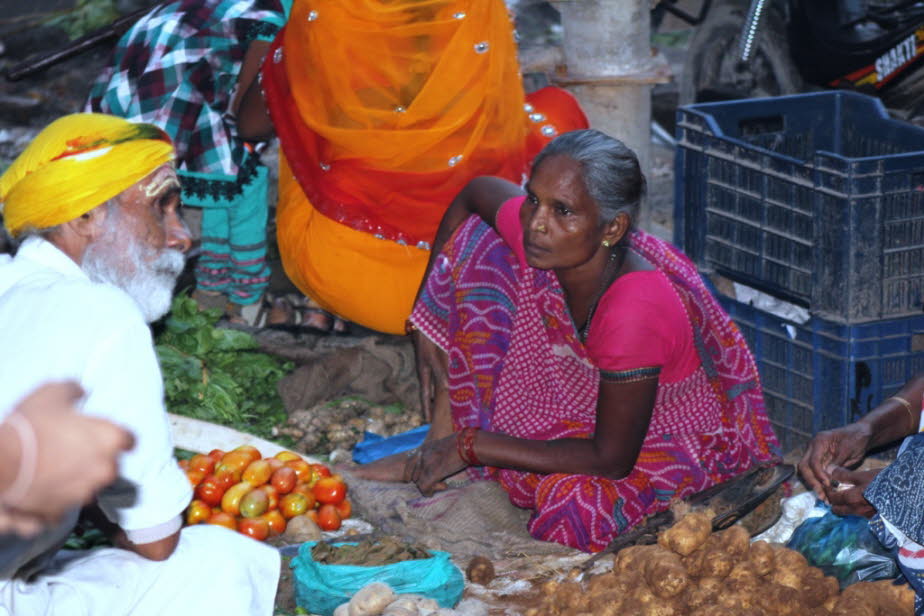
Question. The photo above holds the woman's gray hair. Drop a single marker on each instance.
(610, 170)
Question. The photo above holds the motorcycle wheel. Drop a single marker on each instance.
(712, 71)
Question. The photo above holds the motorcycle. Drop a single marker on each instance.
(754, 48)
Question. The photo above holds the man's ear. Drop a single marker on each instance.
(89, 226)
(73, 236)
(617, 228)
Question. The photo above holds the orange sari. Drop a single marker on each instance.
(384, 110)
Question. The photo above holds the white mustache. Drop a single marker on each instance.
(170, 262)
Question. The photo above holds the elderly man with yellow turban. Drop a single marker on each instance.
(94, 201)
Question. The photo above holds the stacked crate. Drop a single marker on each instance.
(816, 199)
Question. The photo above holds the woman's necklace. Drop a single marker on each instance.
(610, 272)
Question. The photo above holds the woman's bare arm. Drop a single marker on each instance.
(253, 120)
(623, 415)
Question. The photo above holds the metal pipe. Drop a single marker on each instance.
(610, 68)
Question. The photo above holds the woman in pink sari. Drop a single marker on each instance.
(579, 362)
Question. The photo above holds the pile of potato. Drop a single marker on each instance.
(378, 599)
(692, 571)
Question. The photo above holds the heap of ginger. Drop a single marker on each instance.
(692, 571)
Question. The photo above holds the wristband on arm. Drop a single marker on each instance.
(28, 459)
(465, 444)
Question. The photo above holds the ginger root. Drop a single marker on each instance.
(688, 534)
(717, 574)
(480, 570)
(760, 555)
(665, 573)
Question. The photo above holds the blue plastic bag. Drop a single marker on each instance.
(843, 546)
(320, 588)
(374, 446)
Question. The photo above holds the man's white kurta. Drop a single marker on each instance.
(55, 324)
(58, 325)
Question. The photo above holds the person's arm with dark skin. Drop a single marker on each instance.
(832, 453)
(623, 415)
(253, 120)
(156, 550)
(482, 196)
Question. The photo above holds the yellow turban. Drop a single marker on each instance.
(75, 164)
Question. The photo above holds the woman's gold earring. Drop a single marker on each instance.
(606, 243)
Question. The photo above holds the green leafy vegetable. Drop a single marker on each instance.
(86, 16)
(218, 374)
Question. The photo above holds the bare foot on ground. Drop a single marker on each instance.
(391, 468)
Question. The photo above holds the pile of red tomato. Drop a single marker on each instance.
(257, 496)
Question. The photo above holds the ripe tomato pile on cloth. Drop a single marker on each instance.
(257, 496)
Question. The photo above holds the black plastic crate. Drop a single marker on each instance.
(816, 198)
(822, 374)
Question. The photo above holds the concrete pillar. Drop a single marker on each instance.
(610, 68)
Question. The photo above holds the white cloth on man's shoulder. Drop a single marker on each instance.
(58, 325)
(213, 571)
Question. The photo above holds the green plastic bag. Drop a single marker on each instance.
(320, 588)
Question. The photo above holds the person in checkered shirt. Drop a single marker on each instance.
(182, 67)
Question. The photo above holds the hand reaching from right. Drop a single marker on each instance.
(841, 447)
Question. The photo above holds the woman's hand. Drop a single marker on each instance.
(845, 492)
(844, 447)
(432, 372)
(434, 461)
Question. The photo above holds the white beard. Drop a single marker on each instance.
(147, 279)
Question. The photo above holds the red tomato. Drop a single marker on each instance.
(257, 473)
(292, 505)
(197, 512)
(319, 471)
(328, 518)
(285, 456)
(203, 463)
(223, 519)
(217, 455)
(345, 509)
(234, 464)
(283, 479)
(328, 490)
(254, 528)
(225, 480)
(302, 469)
(272, 497)
(250, 451)
(277, 523)
(275, 463)
(305, 488)
(194, 477)
(231, 501)
(183, 464)
(210, 490)
(253, 504)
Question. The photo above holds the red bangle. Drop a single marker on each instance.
(465, 444)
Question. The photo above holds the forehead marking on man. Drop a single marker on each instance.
(156, 186)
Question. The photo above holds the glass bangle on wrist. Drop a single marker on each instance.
(465, 444)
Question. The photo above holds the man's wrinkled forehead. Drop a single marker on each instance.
(161, 180)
